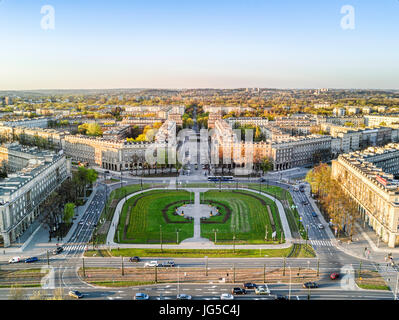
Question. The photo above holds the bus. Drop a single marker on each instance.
(213, 178)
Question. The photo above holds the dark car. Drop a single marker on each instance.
(262, 180)
(238, 291)
(314, 214)
(334, 276)
(134, 259)
(31, 259)
(168, 264)
(58, 250)
(281, 297)
(250, 285)
(310, 285)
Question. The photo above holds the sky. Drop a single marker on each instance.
(99, 44)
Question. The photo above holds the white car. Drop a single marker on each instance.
(14, 260)
(226, 296)
(320, 226)
(151, 264)
(262, 289)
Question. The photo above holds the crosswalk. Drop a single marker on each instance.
(321, 243)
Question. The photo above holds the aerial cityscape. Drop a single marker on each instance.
(142, 169)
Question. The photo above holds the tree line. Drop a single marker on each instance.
(336, 205)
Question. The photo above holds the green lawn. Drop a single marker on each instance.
(200, 253)
(142, 225)
(249, 217)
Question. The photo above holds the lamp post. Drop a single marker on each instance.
(265, 232)
(177, 235)
(206, 265)
(289, 292)
(160, 235)
(178, 280)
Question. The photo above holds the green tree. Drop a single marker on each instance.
(69, 211)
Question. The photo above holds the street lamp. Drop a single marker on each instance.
(178, 280)
(160, 235)
(289, 292)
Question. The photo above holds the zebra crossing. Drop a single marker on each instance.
(321, 243)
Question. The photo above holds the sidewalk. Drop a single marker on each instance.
(36, 243)
(364, 238)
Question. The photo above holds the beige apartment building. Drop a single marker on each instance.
(369, 178)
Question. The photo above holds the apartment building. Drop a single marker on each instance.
(376, 120)
(38, 174)
(370, 178)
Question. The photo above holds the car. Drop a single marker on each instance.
(304, 202)
(141, 296)
(280, 297)
(134, 259)
(226, 296)
(249, 285)
(14, 260)
(238, 291)
(314, 214)
(75, 294)
(263, 289)
(262, 180)
(320, 226)
(151, 264)
(58, 250)
(310, 285)
(31, 259)
(168, 264)
(183, 296)
(334, 276)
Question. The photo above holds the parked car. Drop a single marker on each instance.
(320, 226)
(310, 285)
(141, 296)
(226, 296)
(168, 264)
(75, 294)
(183, 296)
(238, 291)
(14, 260)
(58, 250)
(134, 259)
(263, 289)
(151, 264)
(31, 259)
(334, 276)
(249, 285)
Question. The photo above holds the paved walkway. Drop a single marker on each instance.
(198, 244)
(35, 240)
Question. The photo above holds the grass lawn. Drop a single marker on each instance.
(249, 217)
(22, 278)
(142, 217)
(370, 280)
(200, 253)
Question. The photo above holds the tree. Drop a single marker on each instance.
(69, 211)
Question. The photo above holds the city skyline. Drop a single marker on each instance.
(263, 44)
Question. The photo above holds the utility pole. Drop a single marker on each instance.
(177, 236)
(178, 280)
(284, 268)
(396, 289)
(318, 264)
(84, 270)
(234, 273)
(48, 260)
(264, 273)
(360, 268)
(123, 271)
(266, 232)
(289, 292)
(307, 236)
(160, 236)
(206, 266)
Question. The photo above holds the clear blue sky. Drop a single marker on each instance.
(187, 44)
